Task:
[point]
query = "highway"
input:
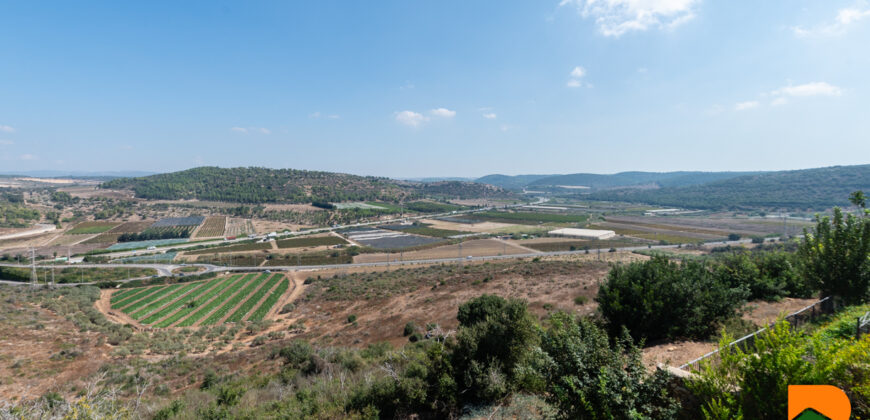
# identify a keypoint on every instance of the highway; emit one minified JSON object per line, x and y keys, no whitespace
{"x":121,"y":254}
{"x":166,"y":269}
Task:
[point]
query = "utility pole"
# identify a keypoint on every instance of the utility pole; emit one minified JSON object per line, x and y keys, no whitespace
{"x":33,"y":276}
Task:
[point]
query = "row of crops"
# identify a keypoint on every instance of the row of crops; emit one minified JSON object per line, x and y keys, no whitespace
{"x":224,"y":299}
{"x":212,"y":227}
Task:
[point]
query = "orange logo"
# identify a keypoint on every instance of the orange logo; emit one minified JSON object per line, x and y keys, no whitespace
{"x":810,"y":402}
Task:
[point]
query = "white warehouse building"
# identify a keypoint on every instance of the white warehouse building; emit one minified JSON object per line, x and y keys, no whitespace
{"x":583,"y":233}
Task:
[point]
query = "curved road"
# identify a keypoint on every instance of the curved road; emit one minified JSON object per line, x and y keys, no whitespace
{"x":166,"y":269}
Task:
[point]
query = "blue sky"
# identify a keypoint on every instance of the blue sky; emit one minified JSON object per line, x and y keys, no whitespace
{"x":447,"y":88}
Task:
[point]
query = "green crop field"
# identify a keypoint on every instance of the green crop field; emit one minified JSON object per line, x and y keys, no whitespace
{"x":232,"y":302}
{"x":310,"y":242}
{"x":214,"y":303}
{"x":159,"y":303}
{"x":205,"y":302}
{"x":251,"y":246}
{"x":91,"y":228}
{"x":199,"y":301}
{"x":136,"y":296}
{"x":270,"y":301}
{"x":150,"y":298}
{"x":527,"y":217}
{"x":168,"y":309}
{"x":253,"y":299}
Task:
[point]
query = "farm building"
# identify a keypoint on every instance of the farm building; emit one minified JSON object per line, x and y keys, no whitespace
{"x":583,"y":233}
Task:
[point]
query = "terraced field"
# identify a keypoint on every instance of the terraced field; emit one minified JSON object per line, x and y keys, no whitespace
{"x":225,"y":299}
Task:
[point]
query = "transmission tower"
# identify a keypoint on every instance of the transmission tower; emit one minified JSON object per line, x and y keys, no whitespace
{"x":33,"y":277}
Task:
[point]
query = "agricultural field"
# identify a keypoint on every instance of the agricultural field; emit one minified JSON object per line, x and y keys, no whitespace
{"x":165,"y":232}
{"x":250,"y":246}
{"x":145,"y":244}
{"x":217,"y":301}
{"x":426,"y":230}
{"x":385,"y":239}
{"x":476,"y":248}
{"x":90,"y":228}
{"x":239,"y":227}
{"x":149,"y":259}
{"x":526,"y":217}
{"x":111,"y":236}
{"x":132,"y":227}
{"x":311,"y":242}
{"x":369,"y":206}
{"x":213,"y":226}
{"x":178,"y":221}
{"x":567,"y":244}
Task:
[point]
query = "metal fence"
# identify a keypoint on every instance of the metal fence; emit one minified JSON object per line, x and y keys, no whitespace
{"x":797,"y":318}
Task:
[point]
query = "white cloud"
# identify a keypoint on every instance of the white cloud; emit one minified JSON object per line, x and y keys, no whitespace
{"x":778,"y":101}
{"x":742,"y":106}
{"x":6,"y":128}
{"x":810,"y":89}
{"x":410,"y":118}
{"x":6,"y":142}
{"x":27,"y":156}
{"x":443,"y":113}
{"x":845,"y":18}
{"x":576,"y":74}
{"x":617,"y":17}
{"x":246,"y":130}
{"x":490,"y":116}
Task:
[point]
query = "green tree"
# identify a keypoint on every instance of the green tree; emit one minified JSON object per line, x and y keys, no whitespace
{"x":587,"y":378}
{"x":496,"y":336}
{"x":659,"y":298}
{"x":835,"y":256}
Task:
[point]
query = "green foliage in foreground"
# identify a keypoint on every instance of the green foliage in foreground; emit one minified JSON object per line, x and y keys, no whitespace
{"x":783,"y":356}
{"x":836,"y":255}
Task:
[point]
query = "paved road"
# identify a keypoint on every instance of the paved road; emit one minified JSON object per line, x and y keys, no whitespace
{"x":166,"y":269}
{"x":121,"y":254}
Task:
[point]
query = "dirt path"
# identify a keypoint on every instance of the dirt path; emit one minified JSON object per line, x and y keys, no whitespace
{"x":104,"y":305}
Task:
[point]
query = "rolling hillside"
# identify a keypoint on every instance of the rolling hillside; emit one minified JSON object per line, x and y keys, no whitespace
{"x":806,"y":189}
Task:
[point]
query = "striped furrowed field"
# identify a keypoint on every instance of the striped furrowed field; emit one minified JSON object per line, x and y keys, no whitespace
{"x":224,"y":299}
{"x":219,"y":314}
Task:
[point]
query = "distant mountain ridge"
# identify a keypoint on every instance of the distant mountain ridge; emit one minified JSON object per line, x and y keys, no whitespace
{"x":806,"y":189}
{"x":607,"y":181}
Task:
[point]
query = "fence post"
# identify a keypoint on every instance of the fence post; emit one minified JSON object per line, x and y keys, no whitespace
{"x":858,"y":328}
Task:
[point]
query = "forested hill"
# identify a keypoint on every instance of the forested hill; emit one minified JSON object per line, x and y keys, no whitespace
{"x":263,"y":185}
{"x":259,"y":185}
{"x":618,"y":180}
{"x":626,"y":179}
{"x":806,"y":189}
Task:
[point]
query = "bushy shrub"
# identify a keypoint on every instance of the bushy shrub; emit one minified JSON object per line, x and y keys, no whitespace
{"x":662,"y":299}
{"x":586,"y":377}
